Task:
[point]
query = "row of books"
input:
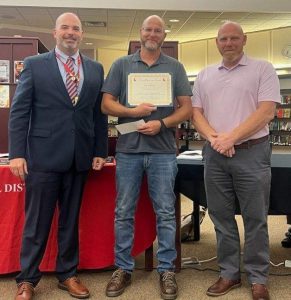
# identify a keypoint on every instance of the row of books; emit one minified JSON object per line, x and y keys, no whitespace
{"x":286,"y":99}
{"x":280,"y":140}
{"x":191,"y":136}
{"x":280,"y":125}
{"x":283,"y":113}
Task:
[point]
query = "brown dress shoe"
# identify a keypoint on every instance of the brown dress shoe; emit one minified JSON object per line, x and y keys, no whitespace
{"x":75,"y":288}
{"x":25,"y":291}
{"x":118,"y":282}
{"x":222,"y":286}
{"x":260,"y":292}
{"x":168,"y":284}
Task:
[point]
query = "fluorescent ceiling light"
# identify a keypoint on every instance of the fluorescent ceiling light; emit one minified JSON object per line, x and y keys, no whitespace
{"x":94,"y":24}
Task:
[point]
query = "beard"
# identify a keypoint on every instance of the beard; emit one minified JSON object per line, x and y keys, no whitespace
{"x":69,"y":44}
{"x":151,"y":45}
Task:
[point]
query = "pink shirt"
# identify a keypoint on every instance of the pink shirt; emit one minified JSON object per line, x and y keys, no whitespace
{"x":230,"y":96}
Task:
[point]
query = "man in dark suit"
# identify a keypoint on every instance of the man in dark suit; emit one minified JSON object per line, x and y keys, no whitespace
{"x":57,"y":133}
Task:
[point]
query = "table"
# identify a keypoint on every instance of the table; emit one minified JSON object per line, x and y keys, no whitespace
{"x":96,"y":228}
{"x":190,"y":183}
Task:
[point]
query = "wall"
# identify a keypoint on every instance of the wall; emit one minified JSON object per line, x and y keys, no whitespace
{"x":196,"y":55}
{"x":90,"y":53}
{"x":266,"y":45}
{"x":107,"y":56}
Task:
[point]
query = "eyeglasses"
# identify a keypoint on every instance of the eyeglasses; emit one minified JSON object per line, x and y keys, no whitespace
{"x":155,"y":30}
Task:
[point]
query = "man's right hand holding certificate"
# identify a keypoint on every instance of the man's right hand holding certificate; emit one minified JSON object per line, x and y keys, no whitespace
{"x":143,"y":109}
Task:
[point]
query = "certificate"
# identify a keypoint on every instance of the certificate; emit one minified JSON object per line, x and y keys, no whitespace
{"x":4,"y":71}
{"x":154,"y":88}
{"x":4,"y":96}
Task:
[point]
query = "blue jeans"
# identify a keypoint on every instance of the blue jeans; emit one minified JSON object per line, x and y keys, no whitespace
{"x":161,"y":170}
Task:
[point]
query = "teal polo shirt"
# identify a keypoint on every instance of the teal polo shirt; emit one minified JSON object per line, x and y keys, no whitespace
{"x":116,"y":85}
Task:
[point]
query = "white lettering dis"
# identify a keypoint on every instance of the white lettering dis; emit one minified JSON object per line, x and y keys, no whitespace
{"x":13,"y":188}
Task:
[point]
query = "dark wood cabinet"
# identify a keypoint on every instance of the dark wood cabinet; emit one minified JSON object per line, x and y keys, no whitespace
{"x":14,"y":50}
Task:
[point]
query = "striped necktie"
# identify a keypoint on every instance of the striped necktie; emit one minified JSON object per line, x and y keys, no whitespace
{"x":71,"y":81}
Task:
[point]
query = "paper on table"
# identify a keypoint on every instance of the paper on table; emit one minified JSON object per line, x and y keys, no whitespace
{"x":129,"y":127}
{"x":195,"y":154}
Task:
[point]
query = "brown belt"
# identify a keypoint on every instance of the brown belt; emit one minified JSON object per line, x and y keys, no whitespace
{"x":249,"y":143}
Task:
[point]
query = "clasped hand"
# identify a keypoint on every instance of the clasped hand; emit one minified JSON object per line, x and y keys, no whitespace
{"x":223,"y":143}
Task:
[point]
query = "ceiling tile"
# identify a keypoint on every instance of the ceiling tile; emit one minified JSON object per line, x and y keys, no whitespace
{"x":125,"y":24}
{"x":121,"y":13}
{"x":92,"y":12}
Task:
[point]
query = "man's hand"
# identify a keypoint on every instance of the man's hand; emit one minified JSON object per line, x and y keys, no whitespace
{"x":230,"y":152}
{"x":98,"y":163}
{"x":144,"y":109}
{"x":150,"y":127}
{"x":224,"y":144}
{"x":18,"y":167}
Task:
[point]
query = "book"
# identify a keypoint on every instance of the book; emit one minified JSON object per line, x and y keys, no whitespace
{"x":4,"y":161}
{"x":279,"y":112}
{"x":286,"y":112}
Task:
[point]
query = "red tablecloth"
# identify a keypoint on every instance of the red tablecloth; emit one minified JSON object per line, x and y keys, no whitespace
{"x":96,"y":223}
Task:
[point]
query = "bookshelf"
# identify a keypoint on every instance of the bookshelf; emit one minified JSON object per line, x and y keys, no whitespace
{"x":280,"y":127}
{"x":12,"y":53}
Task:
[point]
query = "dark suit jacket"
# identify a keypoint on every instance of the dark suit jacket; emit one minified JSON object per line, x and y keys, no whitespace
{"x":45,"y":128}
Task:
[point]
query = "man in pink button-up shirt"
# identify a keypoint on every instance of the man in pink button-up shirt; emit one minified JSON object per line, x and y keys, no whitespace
{"x":233,"y":103}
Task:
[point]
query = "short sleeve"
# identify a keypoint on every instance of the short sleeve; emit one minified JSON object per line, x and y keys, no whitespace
{"x":196,"y":98}
{"x":269,"y":88}
{"x":182,"y":85}
{"x":112,"y":83}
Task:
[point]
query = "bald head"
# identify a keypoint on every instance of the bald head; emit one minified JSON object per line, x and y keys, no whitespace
{"x":156,"y":19}
{"x":152,"y":34}
{"x":65,"y":16}
{"x":68,"y":33}
{"x":230,"y":42}
{"x":233,"y":25}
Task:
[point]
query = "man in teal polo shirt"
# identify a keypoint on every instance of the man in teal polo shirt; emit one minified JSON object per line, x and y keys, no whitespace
{"x":150,"y":150}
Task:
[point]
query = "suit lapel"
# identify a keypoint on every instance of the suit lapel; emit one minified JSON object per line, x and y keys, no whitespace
{"x":85,"y":74}
{"x":54,"y":73}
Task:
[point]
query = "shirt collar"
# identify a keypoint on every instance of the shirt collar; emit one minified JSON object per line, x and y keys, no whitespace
{"x":242,"y":62}
{"x":161,"y":59}
{"x":64,"y":56}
